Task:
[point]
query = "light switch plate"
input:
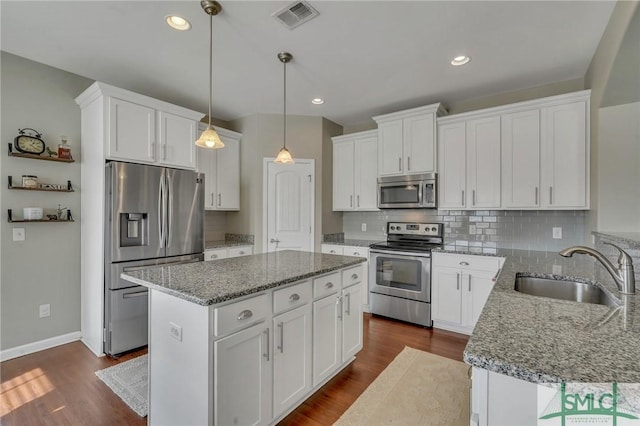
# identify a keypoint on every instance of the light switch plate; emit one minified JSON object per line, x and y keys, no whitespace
{"x":363,"y":227}
{"x":18,"y":234}
{"x":557,"y":233}
{"x":175,"y":331}
{"x":44,"y":310}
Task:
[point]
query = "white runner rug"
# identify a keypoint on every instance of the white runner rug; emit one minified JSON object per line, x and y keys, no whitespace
{"x":130,"y":381}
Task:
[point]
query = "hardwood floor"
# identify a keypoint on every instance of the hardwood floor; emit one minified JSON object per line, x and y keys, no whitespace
{"x":58,"y":386}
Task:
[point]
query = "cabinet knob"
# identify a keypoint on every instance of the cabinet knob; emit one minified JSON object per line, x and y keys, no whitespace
{"x":246,"y":314}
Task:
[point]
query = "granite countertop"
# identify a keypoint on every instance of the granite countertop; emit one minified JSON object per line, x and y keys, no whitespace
{"x":631,"y":238}
{"x":354,"y":243}
{"x":208,"y":283}
{"x":224,"y":243}
{"x":544,"y":340}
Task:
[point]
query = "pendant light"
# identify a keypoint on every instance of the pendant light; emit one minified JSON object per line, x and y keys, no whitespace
{"x":209,"y":138}
{"x":284,"y":156}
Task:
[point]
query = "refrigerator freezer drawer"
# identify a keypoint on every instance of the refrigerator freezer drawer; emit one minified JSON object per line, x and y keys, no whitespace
{"x":128,"y":324}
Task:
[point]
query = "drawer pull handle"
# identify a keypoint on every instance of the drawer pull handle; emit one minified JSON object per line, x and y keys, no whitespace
{"x":464,"y":263}
{"x":214,"y":256}
{"x":354,"y":276}
{"x":356,"y":253}
{"x":241,"y":252}
{"x":332,"y":251}
{"x":246,"y":314}
{"x":294,"y":297}
{"x":329,"y":285}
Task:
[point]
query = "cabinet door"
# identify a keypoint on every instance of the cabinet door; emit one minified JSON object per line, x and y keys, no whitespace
{"x":446,"y":299}
{"x":521,"y":159}
{"x":565,"y":168}
{"x":483,"y":163}
{"x":390,"y":148}
{"x":343,"y":160}
{"x":366,"y":174}
{"x":177,"y":141}
{"x":478,"y":287}
{"x":351,"y":321}
{"x":132,"y":132}
{"x":419,"y":144}
{"x":452,"y":166}
{"x":227,"y":169}
{"x":291,"y":358}
{"x":206,"y":164}
{"x":242,"y":378}
{"x":326,"y":337}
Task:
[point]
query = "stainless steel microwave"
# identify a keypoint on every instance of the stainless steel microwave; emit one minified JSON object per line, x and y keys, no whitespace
{"x":407,"y":192}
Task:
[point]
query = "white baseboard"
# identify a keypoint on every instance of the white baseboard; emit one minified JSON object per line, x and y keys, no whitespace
{"x":30,"y":348}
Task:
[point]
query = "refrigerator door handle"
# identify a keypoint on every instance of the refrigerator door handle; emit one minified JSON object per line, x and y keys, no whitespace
{"x":160,"y":211}
{"x":170,"y":210}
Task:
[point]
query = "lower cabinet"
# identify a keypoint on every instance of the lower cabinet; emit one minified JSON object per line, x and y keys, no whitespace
{"x":460,"y":287}
{"x":358,"y":252}
{"x":226,"y":252}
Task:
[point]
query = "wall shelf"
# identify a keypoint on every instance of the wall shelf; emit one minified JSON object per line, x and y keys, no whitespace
{"x":12,"y":220}
{"x":69,"y":187}
{"x":37,"y":157}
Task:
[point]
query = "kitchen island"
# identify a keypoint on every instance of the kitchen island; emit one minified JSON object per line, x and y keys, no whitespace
{"x":521,"y":340}
{"x":246,"y":340}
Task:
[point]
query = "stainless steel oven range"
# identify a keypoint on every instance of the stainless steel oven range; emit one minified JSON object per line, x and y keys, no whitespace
{"x":400,"y":271}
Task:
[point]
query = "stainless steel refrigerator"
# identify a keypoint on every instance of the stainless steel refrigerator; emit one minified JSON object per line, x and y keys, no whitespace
{"x":154,"y":216}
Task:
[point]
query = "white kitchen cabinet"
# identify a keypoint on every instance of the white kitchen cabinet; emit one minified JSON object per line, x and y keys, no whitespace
{"x":242,"y":377}
{"x":565,"y":155}
{"x":221,"y":168}
{"x":407,"y":141}
{"x":483,"y":163}
{"x":452,"y":164}
{"x":326,"y":338}
{"x":146,"y":130}
{"x":292,"y":357}
{"x":354,"y":171}
{"x":332,"y":248}
{"x":521,"y":160}
{"x":351,"y":321}
{"x":460,"y":286}
{"x":358,"y":252}
{"x":226,"y":252}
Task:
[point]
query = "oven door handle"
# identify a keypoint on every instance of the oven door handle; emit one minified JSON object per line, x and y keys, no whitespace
{"x":404,"y":254}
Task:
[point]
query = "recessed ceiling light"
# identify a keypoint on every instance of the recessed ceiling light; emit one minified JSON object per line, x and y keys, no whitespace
{"x":178,"y":23}
{"x":460,"y":60}
{"x":317,"y":101}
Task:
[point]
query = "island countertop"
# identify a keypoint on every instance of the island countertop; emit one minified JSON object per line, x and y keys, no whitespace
{"x":544,"y":340}
{"x":208,"y":283}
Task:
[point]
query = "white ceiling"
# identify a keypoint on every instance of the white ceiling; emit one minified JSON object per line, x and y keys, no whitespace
{"x":363,"y":57}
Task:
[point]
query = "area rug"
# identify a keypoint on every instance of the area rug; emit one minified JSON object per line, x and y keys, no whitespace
{"x":417,"y":388}
{"x":130,"y":381}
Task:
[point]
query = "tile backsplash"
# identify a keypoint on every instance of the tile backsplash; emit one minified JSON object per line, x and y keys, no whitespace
{"x":481,"y":231}
{"x":215,"y":225}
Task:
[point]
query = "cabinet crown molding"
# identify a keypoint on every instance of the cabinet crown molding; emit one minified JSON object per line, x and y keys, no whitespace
{"x":365,"y":134}
{"x":438,"y":109}
{"x":98,"y":89}
{"x":518,"y":106}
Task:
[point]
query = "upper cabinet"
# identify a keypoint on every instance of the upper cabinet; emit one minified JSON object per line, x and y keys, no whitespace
{"x":141,"y":129}
{"x":407,"y":141}
{"x":221,"y":168}
{"x":354,"y":171}
{"x":529,"y":155}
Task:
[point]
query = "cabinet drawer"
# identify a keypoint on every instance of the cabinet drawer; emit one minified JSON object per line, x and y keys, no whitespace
{"x":237,"y":315}
{"x":239,"y":251}
{"x":215,"y":254}
{"x":332,"y":248}
{"x":351,"y":276}
{"x":356,"y":251}
{"x":326,"y":285}
{"x":291,"y":297}
{"x":465,"y":261}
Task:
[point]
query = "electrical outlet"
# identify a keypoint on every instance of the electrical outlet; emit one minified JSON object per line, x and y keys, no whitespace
{"x":557,"y":233}
{"x":18,"y":234}
{"x":175,"y":331}
{"x":363,"y":227}
{"x":45,"y":310}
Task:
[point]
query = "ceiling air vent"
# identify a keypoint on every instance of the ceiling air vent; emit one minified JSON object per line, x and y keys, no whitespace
{"x":295,"y":14}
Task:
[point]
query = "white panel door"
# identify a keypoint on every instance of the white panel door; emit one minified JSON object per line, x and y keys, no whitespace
{"x":419,"y":144}
{"x":291,"y":358}
{"x":351,"y":321}
{"x":177,"y":141}
{"x":565,"y":156}
{"x":521,"y":159}
{"x":446,"y":295}
{"x":228,"y":175}
{"x":366,"y":174}
{"x":242,"y":378}
{"x":132,"y":132}
{"x":289,"y":198}
{"x":326,"y":338}
{"x":390,"y":148}
{"x":452,"y":166}
{"x":483,"y":163}
{"x":343,"y":174}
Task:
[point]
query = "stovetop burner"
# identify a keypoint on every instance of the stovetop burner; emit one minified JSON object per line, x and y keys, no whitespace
{"x":412,"y":237}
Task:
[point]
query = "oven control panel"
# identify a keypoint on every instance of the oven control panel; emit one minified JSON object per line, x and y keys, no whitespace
{"x":425,"y":229}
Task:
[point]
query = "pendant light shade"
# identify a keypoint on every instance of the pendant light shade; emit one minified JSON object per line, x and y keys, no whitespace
{"x":284,"y":156}
{"x":210,"y":138}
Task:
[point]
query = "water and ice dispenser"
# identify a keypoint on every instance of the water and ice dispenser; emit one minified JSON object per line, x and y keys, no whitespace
{"x":134,"y":229}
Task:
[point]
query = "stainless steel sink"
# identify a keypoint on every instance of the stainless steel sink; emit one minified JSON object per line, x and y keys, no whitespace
{"x":564,"y":290}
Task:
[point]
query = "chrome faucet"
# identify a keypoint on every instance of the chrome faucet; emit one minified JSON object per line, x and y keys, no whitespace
{"x":623,"y":275}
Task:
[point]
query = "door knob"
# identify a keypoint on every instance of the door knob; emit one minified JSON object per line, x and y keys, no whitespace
{"x":274,"y":241}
